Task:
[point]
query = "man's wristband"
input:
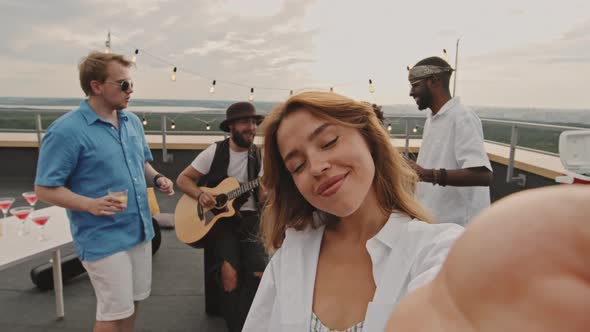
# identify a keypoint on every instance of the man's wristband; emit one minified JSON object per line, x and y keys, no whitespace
{"x":156,"y":180}
{"x":443,"y":177}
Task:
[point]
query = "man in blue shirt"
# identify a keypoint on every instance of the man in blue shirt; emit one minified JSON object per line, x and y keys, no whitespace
{"x":87,"y":153}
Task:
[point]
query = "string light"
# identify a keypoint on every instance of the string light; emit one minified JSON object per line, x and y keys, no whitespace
{"x":134,"y":58}
{"x":446,"y":55}
{"x":144,"y":120}
{"x":371,"y":86}
{"x":389,"y":127}
{"x":212,"y":88}
{"x":208,"y":127}
{"x":251,"y":97}
{"x":415,"y":130}
{"x":107,"y":43}
{"x":173,"y":125}
{"x":173,"y":77}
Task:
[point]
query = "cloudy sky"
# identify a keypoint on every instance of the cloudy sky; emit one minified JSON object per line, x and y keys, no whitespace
{"x":527,"y":53}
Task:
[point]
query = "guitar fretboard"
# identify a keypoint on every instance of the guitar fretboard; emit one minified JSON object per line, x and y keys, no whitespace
{"x":243,"y":189}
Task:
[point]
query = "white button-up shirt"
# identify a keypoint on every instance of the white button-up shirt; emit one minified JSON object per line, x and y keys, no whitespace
{"x":405,"y":254}
{"x":453,"y":139}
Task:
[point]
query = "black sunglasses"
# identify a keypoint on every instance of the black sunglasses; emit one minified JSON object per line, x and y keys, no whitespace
{"x":124,"y":84}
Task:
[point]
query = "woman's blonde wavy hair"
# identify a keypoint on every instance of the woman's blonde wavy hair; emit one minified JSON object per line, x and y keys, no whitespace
{"x":394,"y":180}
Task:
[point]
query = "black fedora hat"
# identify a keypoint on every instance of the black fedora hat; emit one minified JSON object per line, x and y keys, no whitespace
{"x":238,"y":111}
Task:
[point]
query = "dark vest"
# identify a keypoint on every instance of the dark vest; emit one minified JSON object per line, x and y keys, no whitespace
{"x":218,"y":170}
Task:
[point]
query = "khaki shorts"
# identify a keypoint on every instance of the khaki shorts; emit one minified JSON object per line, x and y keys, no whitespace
{"x":119,"y":280}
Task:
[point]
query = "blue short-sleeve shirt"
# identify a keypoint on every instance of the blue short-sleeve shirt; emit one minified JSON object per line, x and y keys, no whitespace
{"x":88,"y":155}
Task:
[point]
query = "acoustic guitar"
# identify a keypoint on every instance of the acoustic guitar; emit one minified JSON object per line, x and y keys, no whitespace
{"x":193,"y":221}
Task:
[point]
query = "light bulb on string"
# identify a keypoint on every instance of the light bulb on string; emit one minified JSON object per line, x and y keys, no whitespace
{"x":208,"y":127}
{"x":446,"y":55}
{"x":212,"y":89}
{"x":173,"y":125}
{"x":173,"y":77}
{"x":389,"y":127}
{"x":107,"y":43}
{"x":144,"y":120}
{"x":134,"y":57}
{"x":251,"y":97}
{"x":371,"y":86}
{"x":415,"y":130}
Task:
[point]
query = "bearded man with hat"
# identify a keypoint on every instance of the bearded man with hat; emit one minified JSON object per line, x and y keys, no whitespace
{"x":453,"y":166}
{"x":240,"y":258}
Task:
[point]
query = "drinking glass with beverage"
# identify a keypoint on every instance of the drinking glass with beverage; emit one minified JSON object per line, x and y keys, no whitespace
{"x":22,"y":213}
{"x":5,"y":204}
{"x":30,"y":197}
{"x":119,"y":194}
{"x":40,"y":221}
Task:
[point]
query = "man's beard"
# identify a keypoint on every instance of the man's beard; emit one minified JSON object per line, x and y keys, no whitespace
{"x":239,"y":139}
{"x":425,"y":100}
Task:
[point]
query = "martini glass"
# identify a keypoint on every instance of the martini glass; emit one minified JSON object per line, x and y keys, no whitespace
{"x":41,"y":220}
{"x":22,"y":213}
{"x":30,"y":197}
{"x":5,"y":204}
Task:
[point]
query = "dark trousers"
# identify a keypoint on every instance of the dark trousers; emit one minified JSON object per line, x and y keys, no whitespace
{"x":235,"y":240}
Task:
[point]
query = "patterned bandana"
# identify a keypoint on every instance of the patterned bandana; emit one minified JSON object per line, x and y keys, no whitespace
{"x":421,"y":72}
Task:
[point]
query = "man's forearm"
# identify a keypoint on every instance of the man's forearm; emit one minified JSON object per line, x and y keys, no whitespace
{"x":150,"y":173}
{"x":468,"y":177}
{"x":188,"y":186}
{"x":63,"y":197}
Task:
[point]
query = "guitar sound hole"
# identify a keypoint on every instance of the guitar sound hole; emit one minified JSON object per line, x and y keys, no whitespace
{"x":221,"y":201}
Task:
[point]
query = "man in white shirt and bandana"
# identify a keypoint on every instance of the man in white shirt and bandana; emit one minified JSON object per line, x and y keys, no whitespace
{"x":453,"y":166}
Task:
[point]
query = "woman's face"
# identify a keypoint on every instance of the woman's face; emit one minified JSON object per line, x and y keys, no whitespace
{"x":331,"y":165}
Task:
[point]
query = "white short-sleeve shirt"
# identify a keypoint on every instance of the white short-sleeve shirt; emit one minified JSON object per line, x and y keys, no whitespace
{"x":237,"y":168}
{"x":453,"y":139}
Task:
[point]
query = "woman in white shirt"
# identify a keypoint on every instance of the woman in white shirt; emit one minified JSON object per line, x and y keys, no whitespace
{"x":350,"y":238}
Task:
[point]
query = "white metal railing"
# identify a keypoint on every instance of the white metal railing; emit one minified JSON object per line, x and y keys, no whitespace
{"x":519,"y":179}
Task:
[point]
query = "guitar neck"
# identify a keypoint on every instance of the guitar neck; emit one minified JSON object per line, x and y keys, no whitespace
{"x":243,"y":189}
